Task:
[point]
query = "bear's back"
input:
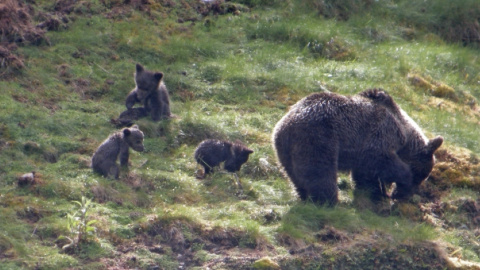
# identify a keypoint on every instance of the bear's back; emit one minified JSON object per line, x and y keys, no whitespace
{"x":380,"y":97}
{"x":338,"y":112}
{"x":108,"y":149}
{"x":213,"y":149}
{"x":353,"y":123}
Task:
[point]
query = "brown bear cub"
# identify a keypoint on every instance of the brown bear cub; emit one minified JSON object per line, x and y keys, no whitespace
{"x":104,"y":161}
{"x":366,"y":134}
{"x":210,"y":153}
{"x":151,"y":92}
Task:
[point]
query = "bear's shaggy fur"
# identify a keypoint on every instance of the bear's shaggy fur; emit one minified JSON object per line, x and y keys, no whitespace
{"x":27,"y":179}
{"x":128,"y":117}
{"x":104,"y":160}
{"x":149,"y":91}
{"x":367,"y":134}
{"x":210,"y":153}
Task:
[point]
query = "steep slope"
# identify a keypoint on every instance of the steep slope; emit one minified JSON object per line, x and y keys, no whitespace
{"x":232,"y":68}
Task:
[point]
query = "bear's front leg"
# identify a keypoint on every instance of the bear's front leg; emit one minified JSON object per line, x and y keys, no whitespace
{"x":131,"y":99}
{"x":231,"y":166}
{"x":124,"y":154}
{"x":147,"y":104}
{"x":113,"y":172}
{"x":165,"y":111}
{"x":396,"y":171}
{"x":367,"y":183}
{"x":108,"y":168}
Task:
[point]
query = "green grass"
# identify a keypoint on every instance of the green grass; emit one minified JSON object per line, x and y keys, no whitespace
{"x":304,"y":222}
{"x":230,"y":77}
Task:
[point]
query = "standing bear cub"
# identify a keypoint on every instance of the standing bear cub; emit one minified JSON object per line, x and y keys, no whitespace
{"x":151,"y":92}
{"x":104,"y":160}
{"x":367,"y":134}
{"x":210,"y":153}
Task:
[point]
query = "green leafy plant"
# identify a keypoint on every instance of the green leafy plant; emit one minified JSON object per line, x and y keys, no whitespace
{"x":78,"y":224}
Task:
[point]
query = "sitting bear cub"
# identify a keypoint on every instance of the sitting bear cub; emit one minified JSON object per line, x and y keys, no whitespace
{"x":104,"y":160}
{"x":210,"y":153}
{"x":366,"y":134}
{"x":151,"y":92}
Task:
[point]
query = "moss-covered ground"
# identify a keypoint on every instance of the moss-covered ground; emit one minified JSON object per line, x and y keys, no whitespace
{"x":233,"y":69}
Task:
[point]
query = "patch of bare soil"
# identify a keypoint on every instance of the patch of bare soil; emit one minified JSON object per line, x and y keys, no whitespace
{"x":17,"y":27}
{"x":21,"y":24}
{"x":8,"y":57}
{"x":182,"y":239}
{"x":186,"y":11}
{"x":452,"y":169}
{"x":16,"y":23}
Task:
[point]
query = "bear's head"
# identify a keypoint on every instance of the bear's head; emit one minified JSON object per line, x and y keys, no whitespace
{"x":421,"y":164}
{"x":146,"y":81}
{"x":134,"y":138}
{"x":239,"y":155}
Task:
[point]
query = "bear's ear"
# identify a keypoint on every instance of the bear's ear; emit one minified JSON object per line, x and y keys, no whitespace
{"x":158,"y":76}
{"x":434,"y":144}
{"x":126,"y":132}
{"x":139,"y":68}
{"x":134,"y":126}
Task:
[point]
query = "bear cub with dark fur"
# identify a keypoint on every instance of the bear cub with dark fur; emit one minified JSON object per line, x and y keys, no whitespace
{"x":210,"y":153}
{"x":151,"y":92}
{"x":104,"y":160}
{"x":366,"y":134}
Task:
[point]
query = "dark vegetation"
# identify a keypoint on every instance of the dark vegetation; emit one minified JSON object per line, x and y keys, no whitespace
{"x":232,"y":69}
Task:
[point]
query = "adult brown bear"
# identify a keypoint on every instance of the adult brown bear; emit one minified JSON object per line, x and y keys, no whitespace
{"x":367,"y":134}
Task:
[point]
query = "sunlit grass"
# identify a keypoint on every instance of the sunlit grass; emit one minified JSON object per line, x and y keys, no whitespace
{"x":230,"y":77}
{"x":13,"y":236}
{"x":304,"y":221}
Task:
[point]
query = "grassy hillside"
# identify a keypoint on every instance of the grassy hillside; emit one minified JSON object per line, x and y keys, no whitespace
{"x":232,"y":69}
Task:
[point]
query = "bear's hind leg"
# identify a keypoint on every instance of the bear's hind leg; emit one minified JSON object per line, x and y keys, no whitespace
{"x":302,"y":193}
{"x":165,"y":110}
{"x":114,"y":172}
{"x":155,"y":114}
{"x":108,"y":169}
{"x":324,"y":190}
{"x":319,"y":182}
{"x":206,"y":169}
